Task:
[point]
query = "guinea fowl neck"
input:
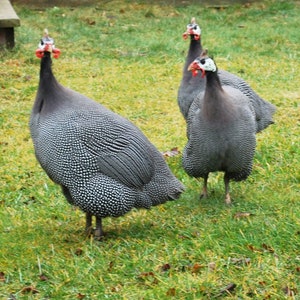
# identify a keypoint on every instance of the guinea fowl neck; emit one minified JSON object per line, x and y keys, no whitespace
{"x":194,"y":51}
{"x":47,"y":98}
{"x":213,"y":83}
{"x":216,"y":108}
{"x":47,"y":79}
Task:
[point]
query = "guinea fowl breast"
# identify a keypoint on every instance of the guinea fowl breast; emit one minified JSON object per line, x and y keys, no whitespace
{"x":221,"y":130}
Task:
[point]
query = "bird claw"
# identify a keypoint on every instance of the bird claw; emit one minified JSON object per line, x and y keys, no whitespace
{"x":89,"y":230}
{"x":98,"y":234}
{"x":228,"y":199}
{"x":203,"y":195}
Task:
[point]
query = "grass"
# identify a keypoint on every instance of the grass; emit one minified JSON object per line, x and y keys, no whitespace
{"x":129,"y":56}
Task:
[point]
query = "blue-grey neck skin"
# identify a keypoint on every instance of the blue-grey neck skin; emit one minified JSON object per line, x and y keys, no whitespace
{"x":216,"y":108}
{"x":190,"y":86}
{"x":46,"y":97}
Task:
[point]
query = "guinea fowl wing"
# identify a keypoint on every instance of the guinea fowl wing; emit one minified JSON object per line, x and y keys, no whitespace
{"x":119,"y":150}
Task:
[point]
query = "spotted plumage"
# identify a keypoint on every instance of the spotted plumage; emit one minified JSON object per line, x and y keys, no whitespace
{"x":104,"y":164}
{"x":221,"y":129}
{"x":191,"y":87}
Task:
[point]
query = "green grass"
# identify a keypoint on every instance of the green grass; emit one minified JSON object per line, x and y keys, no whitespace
{"x":129,"y":56}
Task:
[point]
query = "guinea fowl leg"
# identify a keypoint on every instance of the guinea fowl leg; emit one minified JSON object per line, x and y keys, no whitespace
{"x":227,"y":195}
{"x":88,"y":224}
{"x":98,"y":234}
{"x":204,"y":189}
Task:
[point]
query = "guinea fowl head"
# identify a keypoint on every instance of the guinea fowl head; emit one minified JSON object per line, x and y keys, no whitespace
{"x":193,"y":30}
{"x":202,"y":63}
{"x":46,"y":45}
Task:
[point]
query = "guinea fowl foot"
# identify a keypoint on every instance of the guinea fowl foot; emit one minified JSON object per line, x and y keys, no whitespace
{"x":98,"y":233}
{"x":89,"y":230}
{"x":228,"y":199}
{"x":203,"y":195}
{"x":227,"y":194}
{"x":88,"y":225}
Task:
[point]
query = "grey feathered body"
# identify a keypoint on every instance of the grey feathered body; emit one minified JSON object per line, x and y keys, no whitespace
{"x":191,"y":86}
{"x":221,"y":134}
{"x":104,"y":163}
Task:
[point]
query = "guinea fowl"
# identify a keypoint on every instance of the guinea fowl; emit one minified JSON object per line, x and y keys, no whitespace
{"x":220,"y":128}
{"x":104,"y":164}
{"x":191,"y":86}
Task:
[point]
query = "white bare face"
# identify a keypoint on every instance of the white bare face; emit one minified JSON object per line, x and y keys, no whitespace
{"x":206,"y":64}
{"x":46,"y":39}
{"x":193,"y":29}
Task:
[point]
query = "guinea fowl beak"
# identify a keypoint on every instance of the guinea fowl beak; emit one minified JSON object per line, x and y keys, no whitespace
{"x":190,"y":32}
{"x":185,"y":35}
{"x":48,"y":48}
{"x":191,"y":67}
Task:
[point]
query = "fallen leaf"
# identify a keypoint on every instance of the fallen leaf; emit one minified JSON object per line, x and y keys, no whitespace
{"x":166,"y":267}
{"x":171,"y":292}
{"x":212,"y":266}
{"x":27,"y":77}
{"x":268,"y":248}
{"x":230,"y":287}
{"x":253,"y":249}
{"x":226,"y":290}
{"x":240,"y":261}
{"x":116,"y":288}
{"x":242,"y":215}
{"x":2,"y":277}
{"x":148,"y":276}
{"x":29,"y":289}
{"x":91,"y":22}
{"x":291,"y":292}
{"x":43,"y":277}
{"x":80,"y":296}
{"x":196,"y":268}
{"x":78,"y":252}
{"x":110,"y":266}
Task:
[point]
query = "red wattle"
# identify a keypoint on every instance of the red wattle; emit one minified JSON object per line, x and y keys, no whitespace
{"x":56,"y":53}
{"x":39,"y":53}
{"x":195,"y":73}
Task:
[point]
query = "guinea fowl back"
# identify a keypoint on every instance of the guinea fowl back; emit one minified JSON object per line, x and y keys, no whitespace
{"x":104,"y":163}
{"x":191,"y":87}
{"x":264,"y":110}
